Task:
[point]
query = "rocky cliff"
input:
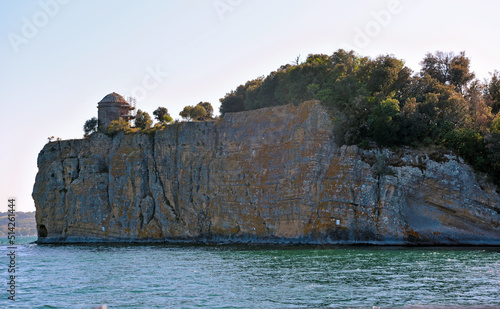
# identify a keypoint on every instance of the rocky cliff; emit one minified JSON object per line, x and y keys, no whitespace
{"x":273,"y":175}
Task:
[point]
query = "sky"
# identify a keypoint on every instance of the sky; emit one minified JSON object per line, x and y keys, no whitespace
{"x":59,"y":58}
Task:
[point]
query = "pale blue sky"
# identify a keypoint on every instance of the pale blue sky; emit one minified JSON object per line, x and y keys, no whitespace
{"x":60,"y":57}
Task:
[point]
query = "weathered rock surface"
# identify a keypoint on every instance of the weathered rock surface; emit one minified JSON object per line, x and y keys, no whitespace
{"x":273,"y":175}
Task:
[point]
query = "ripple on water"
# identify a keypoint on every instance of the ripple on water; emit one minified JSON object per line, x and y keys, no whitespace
{"x":255,"y":277}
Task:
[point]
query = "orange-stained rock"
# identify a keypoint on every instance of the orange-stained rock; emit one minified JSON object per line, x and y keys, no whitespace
{"x":273,"y":175}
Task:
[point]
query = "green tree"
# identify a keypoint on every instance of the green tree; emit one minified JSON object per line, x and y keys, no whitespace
{"x":208,"y":108}
{"x":383,"y":73}
{"x":414,"y":126}
{"x":383,"y":122}
{"x":469,"y":145}
{"x":345,"y":63}
{"x":142,"y":120}
{"x":455,"y":109}
{"x":161,"y":114}
{"x":251,"y":93}
{"x":187,"y":112}
{"x":480,"y":112}
{"x":90,"y":126}
{"x":198,"y":113}
{"x":448,"y":69}
{"x":233,"y":101}
{"x":320,"y":59}
{"x":442,"y":104}
{"x":493,"y":92}
{"x":460,"y":74}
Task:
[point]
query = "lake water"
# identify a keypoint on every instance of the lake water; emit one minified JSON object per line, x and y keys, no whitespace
{"x":165,"y":276}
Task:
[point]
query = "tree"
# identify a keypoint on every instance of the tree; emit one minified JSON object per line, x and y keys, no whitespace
{"x":198,"y":112}
{"x":480,"y":112}
{"x":344,"y":62}
{"x":90,"y":126}
{"x":442,"y":104}
{"x":143,"y":120}
{"x":161,"y":114}
{"x":436,"y":66}
{"x":468,"y":144}
{"x":208,"y":108}
{"x":233,"y":101}
{"x":186,"y":113}
{"x":460,"y":74}
{"x":493,"y":92}
{"x":383,"y":72}
{"x":321,"y":59}
{"x":252,"y":89}
{"x":414,"y":126}
{"x":383,"y":123}
{"x":448,"y":69}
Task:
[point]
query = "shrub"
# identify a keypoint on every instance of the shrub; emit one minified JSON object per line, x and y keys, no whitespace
{"x":201,"y":111}
{"x":469,"y":145}
{"x":186,"y":112}
{"x":90,"y":126}
{"x":161,"y":114}
{"x":383,"y":122}
{"x":143,"y":120}
{"x":120,"y":125}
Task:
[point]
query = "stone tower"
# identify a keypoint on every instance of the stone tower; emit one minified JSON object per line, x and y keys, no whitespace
{"x":112,"y":107}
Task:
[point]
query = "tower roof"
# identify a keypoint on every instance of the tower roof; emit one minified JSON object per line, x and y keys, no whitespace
{"x":113,"y":98}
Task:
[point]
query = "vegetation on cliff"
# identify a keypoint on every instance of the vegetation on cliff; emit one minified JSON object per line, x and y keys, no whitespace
{"x":161,"y":115}
{"x":202,"y":111}
{"x":143,"y":122}
{"x":90,"y":126}
{"x":381,"y":100}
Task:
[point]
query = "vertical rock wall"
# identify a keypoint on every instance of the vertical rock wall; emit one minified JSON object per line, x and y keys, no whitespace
{"x":273,"y":175}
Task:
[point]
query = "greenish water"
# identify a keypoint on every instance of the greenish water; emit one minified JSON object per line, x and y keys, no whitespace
{"x":125,"y":276}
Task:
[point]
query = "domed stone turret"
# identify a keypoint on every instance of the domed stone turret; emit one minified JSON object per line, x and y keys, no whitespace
{"x":113,"y":98}
{"x":112,"y":107}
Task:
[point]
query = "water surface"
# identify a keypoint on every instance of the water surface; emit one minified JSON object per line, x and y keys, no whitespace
{"x":161,"y":276}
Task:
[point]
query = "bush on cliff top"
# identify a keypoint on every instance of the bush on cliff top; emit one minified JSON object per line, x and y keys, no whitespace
{"x":143,"y":120}
{"x":90,"y":126}
{"x":120,"y":125}
{"x":202,"y":111}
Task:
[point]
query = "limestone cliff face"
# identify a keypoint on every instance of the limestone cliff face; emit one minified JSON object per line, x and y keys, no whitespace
{"x":273,"y":175}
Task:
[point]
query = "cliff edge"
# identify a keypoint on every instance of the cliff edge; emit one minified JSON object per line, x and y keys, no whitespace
{"x":273,"y":175}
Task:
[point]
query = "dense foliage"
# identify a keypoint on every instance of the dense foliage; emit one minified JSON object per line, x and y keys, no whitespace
{"x":381,"y":100}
